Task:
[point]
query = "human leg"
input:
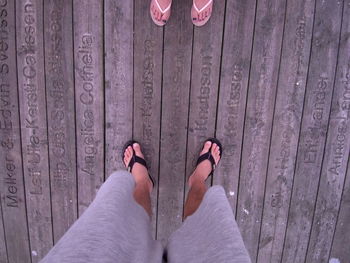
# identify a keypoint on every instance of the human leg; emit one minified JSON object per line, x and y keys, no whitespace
{"x":209,"y":235}
{"x":209,"y":232}
{"x":196,"y":181}
{"x":114,"y":228}
{"x":143,"y":182}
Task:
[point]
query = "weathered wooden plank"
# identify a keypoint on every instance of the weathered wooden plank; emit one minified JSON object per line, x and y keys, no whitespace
{"x":235,"y":67}
{"x":336,"y":154}
{"x":340,"y":246}
{"x":59,"y":72}
{"x":148,"y":48}
{"x":176,"y":85}
{"x":31,"y":85}
{"x":3,"y":249}
{"x":313,"y":129}
{"x":88,"y":61}
{"x":12,"y":185}
{"x":257,"y":131}
{"x":286,"y":127}
{"x":118,"y":79}
{"x":207,"y":47}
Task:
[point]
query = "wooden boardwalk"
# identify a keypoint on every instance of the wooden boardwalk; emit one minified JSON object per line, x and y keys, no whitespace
{"x":270,"y":79}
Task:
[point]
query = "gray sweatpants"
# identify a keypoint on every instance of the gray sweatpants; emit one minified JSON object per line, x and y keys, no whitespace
{"x":116,"y":229}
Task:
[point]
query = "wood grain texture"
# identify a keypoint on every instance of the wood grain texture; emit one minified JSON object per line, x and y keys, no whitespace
{"x":32,"y":100}
{"x":286,"y":127}
{"x":175,"y":98}
{"x":88,"y":62}
{"x":341,"y":240}
{"x":58,"y":22}
{"x":207,"y":46}
{"x":148,"y":48}
{"x":235,"y":68}
{"x":118,"y":80}
{"x":336,"y":156}
{"x":80,"y":78}
{"x":257,"y":131}
{"x":11,"y":172}
{"x":3,"y":249}
{"x":313,"y":129}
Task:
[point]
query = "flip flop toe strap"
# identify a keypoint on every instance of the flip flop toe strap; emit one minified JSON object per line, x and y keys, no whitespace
{"x":163,"y":11}
{"x":204,"y":7}
{"x":136,"y":159}
{"x":207,"y":156}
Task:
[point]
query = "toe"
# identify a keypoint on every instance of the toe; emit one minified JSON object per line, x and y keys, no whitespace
{"x":128,"y":153}
{"x":213,"y":149}
{"x":216,"y":152}
{"x":165,"y":17}
{"x":126,"y":161}
{"x":154,"y":11}
{"x":194,"y":15}
{"x":130,"y":149}
{"x":137,"y":149}
{"x":125,"y":152}
{"x":206,"y":147}
{"x":202,"y":16}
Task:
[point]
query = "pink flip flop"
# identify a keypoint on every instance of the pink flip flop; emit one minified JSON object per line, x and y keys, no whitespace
{"x":162,"y":11}
{"x":195,"y":21}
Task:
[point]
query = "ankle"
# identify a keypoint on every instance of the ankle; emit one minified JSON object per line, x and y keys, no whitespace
{"x":144,"y":185}
{"x":195,"y":179}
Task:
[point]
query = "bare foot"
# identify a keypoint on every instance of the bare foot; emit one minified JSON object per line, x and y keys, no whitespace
{"x":139,"y":172}
{"x":160,"y":13}
{"x":203,"y":169}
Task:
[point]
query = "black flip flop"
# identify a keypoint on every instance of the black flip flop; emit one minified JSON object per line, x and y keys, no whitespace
{"x":135,"y":159}
{"x":208,"y":156}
